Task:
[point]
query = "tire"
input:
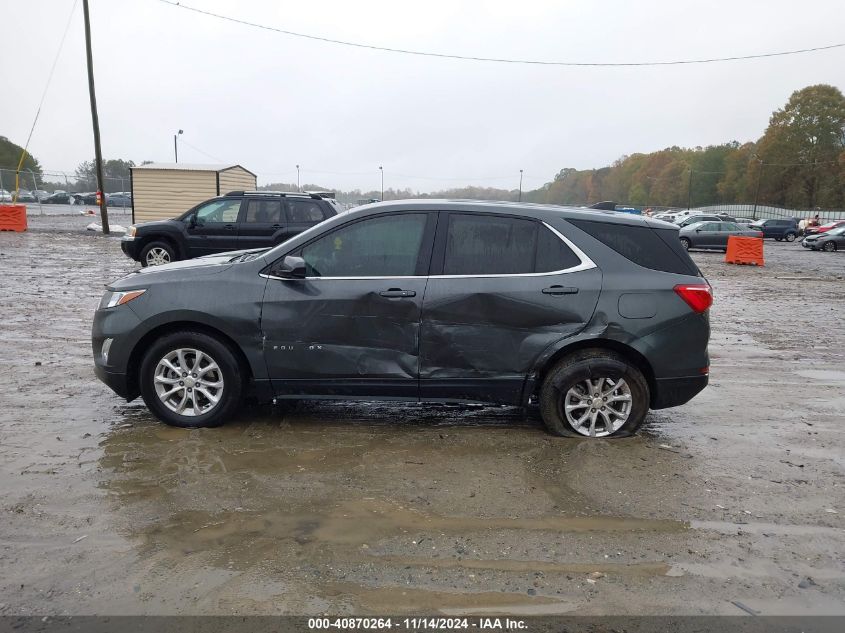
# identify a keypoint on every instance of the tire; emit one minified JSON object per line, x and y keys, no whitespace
{"x":789,"y":237}
{"x":829,"y":247}
{"x":157,"y":253}
{"x":157,"y":378}
{"x":778,"y":239}
{"x":600,"y":367}
{"x":685,"y":243}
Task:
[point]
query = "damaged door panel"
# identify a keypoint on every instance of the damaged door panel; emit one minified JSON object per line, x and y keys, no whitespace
{"x":350,"y":327}
{"x":502,"y":291}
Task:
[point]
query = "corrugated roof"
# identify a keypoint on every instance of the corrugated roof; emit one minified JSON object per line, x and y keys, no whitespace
{"x":187,"y":166}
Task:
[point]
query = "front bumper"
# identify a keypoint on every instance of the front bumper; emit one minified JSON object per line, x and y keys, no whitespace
{"x":119,"y":383}
{"x":672,"y":392}
{"x":130,"y":247}
{"x":118,"y":325}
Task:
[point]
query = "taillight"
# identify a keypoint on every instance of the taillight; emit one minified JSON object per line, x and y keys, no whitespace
{"x":699,"y":297}
{"x":759,"y":234}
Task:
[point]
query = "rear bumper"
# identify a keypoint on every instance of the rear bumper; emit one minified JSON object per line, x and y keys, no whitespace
{"x":672,"y":392}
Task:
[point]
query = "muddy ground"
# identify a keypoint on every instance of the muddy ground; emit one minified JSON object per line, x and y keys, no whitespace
{"x":737,"y":497}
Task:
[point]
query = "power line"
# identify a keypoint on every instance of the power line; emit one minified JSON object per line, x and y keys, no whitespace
{"x":206,"y":154}
{"x":498,"y":60}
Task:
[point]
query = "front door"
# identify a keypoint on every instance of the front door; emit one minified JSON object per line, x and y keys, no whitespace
{"x":351,"y":327}
{"x":213,"y":228}
{"x":502,"y":290}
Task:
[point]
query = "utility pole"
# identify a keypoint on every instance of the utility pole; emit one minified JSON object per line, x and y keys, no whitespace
{"x":520,"y":186}
{"x":175,"y":147}
{"x":381,"y":169}
{"x":757,"y":190}
{"x":98,"y":154}
{"x":689,"y":190}
{"x":298,"y":187}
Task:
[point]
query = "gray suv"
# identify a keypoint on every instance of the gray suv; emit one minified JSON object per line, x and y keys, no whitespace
{"x":594,"y":316}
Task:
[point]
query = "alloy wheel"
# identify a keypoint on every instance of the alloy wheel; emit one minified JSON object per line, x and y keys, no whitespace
{"x":157,"y":256}
{"x":599,"y":407}
{"x":829,"y":247}
{"x":188,"y":382}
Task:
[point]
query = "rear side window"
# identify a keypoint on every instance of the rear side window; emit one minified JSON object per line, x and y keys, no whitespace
{"x":305,"y":211}
{"x":498,"y":245}
{"x":658,"y":249}
{"x":264,"y":212}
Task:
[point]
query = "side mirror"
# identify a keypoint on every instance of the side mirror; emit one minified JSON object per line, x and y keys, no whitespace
{"x":698,"y":230}
{"x":192,"y":221}
{"x":291,"y":268}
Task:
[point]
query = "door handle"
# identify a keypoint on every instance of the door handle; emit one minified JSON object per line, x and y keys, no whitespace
{"x":398,"y":292}
{"x":560,"y":290}
{"x":229,"y":227}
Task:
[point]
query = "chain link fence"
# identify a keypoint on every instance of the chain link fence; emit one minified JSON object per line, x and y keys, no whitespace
{"x":54,"y":192}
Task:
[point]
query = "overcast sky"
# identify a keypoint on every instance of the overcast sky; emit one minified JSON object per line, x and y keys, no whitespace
{"x":270,"y":101}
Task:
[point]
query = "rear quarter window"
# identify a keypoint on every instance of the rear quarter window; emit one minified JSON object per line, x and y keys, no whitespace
{"x":657,"y":249}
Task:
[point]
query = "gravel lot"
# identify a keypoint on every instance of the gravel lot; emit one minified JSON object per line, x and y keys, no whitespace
{"x":738,"y":496}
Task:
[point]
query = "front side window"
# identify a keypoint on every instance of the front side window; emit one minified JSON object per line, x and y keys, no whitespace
{"x":264,"y":212}
{"x":225,"y":211}
{"x":387,"y":246}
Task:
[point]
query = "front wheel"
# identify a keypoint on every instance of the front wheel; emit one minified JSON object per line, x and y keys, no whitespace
{"x":790,"y":237}
{"x":594,"y":393}
{"x":685,"y":243}
{"x":190,"y":380}
{"x":829,"y":247}
{"x":157,"y":253}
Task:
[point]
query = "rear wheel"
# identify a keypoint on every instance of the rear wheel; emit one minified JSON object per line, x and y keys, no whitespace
{"x":829,"y":246}
{"x":594,"y":393}
{"x":685,"y":243}
{"x":157,"y":253}
{"x":190,"y":379}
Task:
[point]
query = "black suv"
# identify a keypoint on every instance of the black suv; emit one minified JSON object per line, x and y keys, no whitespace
{"x":596,"y":316}
{"x":778,"y":229}
{"x":238,"y":220}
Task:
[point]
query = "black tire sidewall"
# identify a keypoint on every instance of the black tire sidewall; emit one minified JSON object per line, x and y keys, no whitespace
{"x":686,"y":243}
{"x":594,"y":364}
{"x":222,"y":355}
{"x":157,"y":244}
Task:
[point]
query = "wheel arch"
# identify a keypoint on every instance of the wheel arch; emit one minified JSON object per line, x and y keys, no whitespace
{"x":134,"y":364}
{"x":162,"y":237}
{"x":636,"y":358}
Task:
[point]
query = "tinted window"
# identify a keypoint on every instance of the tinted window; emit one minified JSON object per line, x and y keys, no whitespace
{"x":658,"y":249}
{"x":219,"y":211}
{"x":264,"y":212}
{"x":730,"y":226}
{"x":386,"y":246}
{"x":552,"y":252}
{"x":306,"y":211}
{"x":489,"y":245}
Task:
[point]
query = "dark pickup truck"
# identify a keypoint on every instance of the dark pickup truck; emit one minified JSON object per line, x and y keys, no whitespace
{"x":239,"y":220}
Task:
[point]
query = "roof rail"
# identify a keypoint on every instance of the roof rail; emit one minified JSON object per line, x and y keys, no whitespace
{"x":283,"y":194}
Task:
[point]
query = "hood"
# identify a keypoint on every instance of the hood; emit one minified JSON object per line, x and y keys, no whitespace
{"x":153,"y":224}
{"x":174,"y":272}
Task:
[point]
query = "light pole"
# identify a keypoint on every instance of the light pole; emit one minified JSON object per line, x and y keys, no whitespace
{"x":520,"y":186}
{"x":689,"y":190}
{"x":175,"y":148}
{"x":757,"y":190}
{"x":381,"y":169}
{"x":298,"y":187}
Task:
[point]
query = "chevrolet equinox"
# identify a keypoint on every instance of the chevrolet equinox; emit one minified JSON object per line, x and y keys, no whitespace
{"x":594,"y":316}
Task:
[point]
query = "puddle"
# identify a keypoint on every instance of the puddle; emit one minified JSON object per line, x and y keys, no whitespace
{"x":726,"y":527}
{"x":400,"y":600}
{"x":827,"y":375}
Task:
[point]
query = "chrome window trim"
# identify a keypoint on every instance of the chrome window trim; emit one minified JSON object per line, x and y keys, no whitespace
{"x":586,"y":264}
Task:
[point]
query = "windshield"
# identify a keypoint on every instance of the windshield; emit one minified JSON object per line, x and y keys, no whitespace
{"x":837,"y":231}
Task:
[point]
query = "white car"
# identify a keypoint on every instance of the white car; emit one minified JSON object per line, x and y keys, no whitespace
{"x":5,"y":196}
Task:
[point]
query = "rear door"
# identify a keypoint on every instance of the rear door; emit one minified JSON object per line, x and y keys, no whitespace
{"x":303,"y":213}
{"x":502,"y":289}
{"x":707,"y":235}
{"x":262,"y":223}
{"x":213,"y":227}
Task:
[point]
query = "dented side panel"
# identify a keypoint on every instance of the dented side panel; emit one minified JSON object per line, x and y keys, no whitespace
{"x":477,"y":327}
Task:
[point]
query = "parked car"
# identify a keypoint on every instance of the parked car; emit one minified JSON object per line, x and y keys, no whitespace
{"x":704,"y":217}
{"x":831,"y":240}
{"x":778,"y":229}
{"x":713,"y":235}
{"x":119,"y":199}
{"x":40,"y":194}
{"x":5,"y":196}
{"x":744,"y":221}
{"x":238,"y":220}
{"x":60,"y":197}
{"x":815,"y":230}
{"x":596,"y":317}
{"x":24,"y":195}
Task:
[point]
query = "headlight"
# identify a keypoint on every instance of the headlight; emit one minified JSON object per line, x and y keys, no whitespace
{"x":130,"y":232}
{"x":111,"y":299}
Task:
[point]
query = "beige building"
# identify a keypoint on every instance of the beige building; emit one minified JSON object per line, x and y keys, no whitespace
{"x":166,"y":190}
